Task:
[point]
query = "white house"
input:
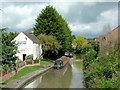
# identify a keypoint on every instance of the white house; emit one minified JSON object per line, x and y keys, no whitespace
{"x":27,"y":45}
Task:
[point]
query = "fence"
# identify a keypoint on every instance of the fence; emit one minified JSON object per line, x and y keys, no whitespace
{"x":4,"y":75}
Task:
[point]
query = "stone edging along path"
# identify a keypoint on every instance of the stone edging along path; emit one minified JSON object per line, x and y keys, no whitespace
{"x":17,"y":83}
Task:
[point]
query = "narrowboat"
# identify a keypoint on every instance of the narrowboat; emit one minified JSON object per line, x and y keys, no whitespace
{"x":70,"y":54}
{"x":61,"y":62}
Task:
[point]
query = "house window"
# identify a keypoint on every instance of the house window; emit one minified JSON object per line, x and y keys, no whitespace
{"x":21,"y":42}
{"x":24,"y":42}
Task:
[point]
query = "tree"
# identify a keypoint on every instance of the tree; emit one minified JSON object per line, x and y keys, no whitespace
{"x":12,"y":35}
{"x":94,"y":44}
{"x":79,"y":40}
{"x":49,"y":43}
{"x":9,"y":49}
{"x":49,"y":22}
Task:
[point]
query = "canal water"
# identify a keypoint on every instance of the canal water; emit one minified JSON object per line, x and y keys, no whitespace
{"x":71,"y":76}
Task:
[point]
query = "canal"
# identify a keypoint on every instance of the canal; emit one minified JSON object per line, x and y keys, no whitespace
{"x":71,"y":76}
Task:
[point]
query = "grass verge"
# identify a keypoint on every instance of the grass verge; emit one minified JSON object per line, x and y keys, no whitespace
{"x":22,"y":72}
{"x":45,"y":61}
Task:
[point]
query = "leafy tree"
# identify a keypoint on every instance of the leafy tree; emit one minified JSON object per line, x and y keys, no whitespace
{"x":94,"y":44}
{"x":78,"y":49}
{"x":49,"y":22}
{"x":79,"y":40}
{"x":12,"y":35}
{"x":49,"y":43}
{"x":73,"y":37}
{"x":9,"y":49}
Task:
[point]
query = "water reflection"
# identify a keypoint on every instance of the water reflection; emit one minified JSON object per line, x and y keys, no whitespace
{"x":78,"y":65}
{"x":77,"y":80}
{"x":35,"y":83}
{"x":57,"y":78}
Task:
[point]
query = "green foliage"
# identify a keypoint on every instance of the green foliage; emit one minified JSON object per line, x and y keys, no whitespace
{"x":94,"y":44}
{"x":89,"y":57}
{"x":78,"y":49}
{"x":49,"y":43}
{"x":29,"y":57}
{"x":49,"y":22}
{"x":79,"y":40}
{"x":90,"y":45}
{"x":9,"y":49}
{"x":12,"y":35}
{"x":102,"y":72}
{"x":86,"y":48}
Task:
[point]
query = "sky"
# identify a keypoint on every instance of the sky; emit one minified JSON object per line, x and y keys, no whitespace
{"x":88,"y":18}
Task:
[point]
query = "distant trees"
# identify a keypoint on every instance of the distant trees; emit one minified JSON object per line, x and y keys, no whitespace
{"x":79,"y":40}
{"x":49,"y":43}
{"x":49,"y":22}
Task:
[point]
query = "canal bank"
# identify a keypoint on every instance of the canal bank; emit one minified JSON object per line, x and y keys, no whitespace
{"x":17,"y":83}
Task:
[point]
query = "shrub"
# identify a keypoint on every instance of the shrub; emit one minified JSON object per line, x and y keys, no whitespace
{"x":29,"y":57}
{"x":86,"y":48}
{"x":94,"y":44}
{"x":103,"y":71}
{"x":78,"y":49}
{"x":89,"y":57}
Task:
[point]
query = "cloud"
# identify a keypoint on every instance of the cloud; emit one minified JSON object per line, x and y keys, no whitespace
{"x":109,"y":17}
{"x":88,"y":12}
{"x":80,"y":28}
{"x":84,"y":18}
{"x":21,"y":17}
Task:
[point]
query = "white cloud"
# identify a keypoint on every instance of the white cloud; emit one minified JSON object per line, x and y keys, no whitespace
{"x":80,"y":28}
{"x":26,"y":23}
{"x":21,"y":17}
{"x":110,"y":17}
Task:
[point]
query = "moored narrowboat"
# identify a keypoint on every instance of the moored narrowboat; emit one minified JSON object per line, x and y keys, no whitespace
{"x":70,"y":54}
{"x":61,"y":62}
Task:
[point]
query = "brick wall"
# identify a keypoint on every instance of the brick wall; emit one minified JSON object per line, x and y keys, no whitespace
{"x":110,"y":40}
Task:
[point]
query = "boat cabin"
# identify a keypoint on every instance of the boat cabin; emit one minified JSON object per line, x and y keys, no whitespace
{"x":59,"y":63}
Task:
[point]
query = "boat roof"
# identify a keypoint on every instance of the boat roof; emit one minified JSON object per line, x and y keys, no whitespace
{"x":62,"y":58}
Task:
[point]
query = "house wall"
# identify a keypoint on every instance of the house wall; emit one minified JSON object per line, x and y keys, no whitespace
{"x":28,"y":48}
{"x":37,"y":51}
{"x":23,"y":48}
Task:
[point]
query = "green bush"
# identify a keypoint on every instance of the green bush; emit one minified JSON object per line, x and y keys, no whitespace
{"x":36,"y":61}
{"x":86,"y":48}
{"x":89,"y":57}
{"x":103,"y":71}
{"x":94,"y":44}
{"x":78,"y":49}
{"x":29,"y":57}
